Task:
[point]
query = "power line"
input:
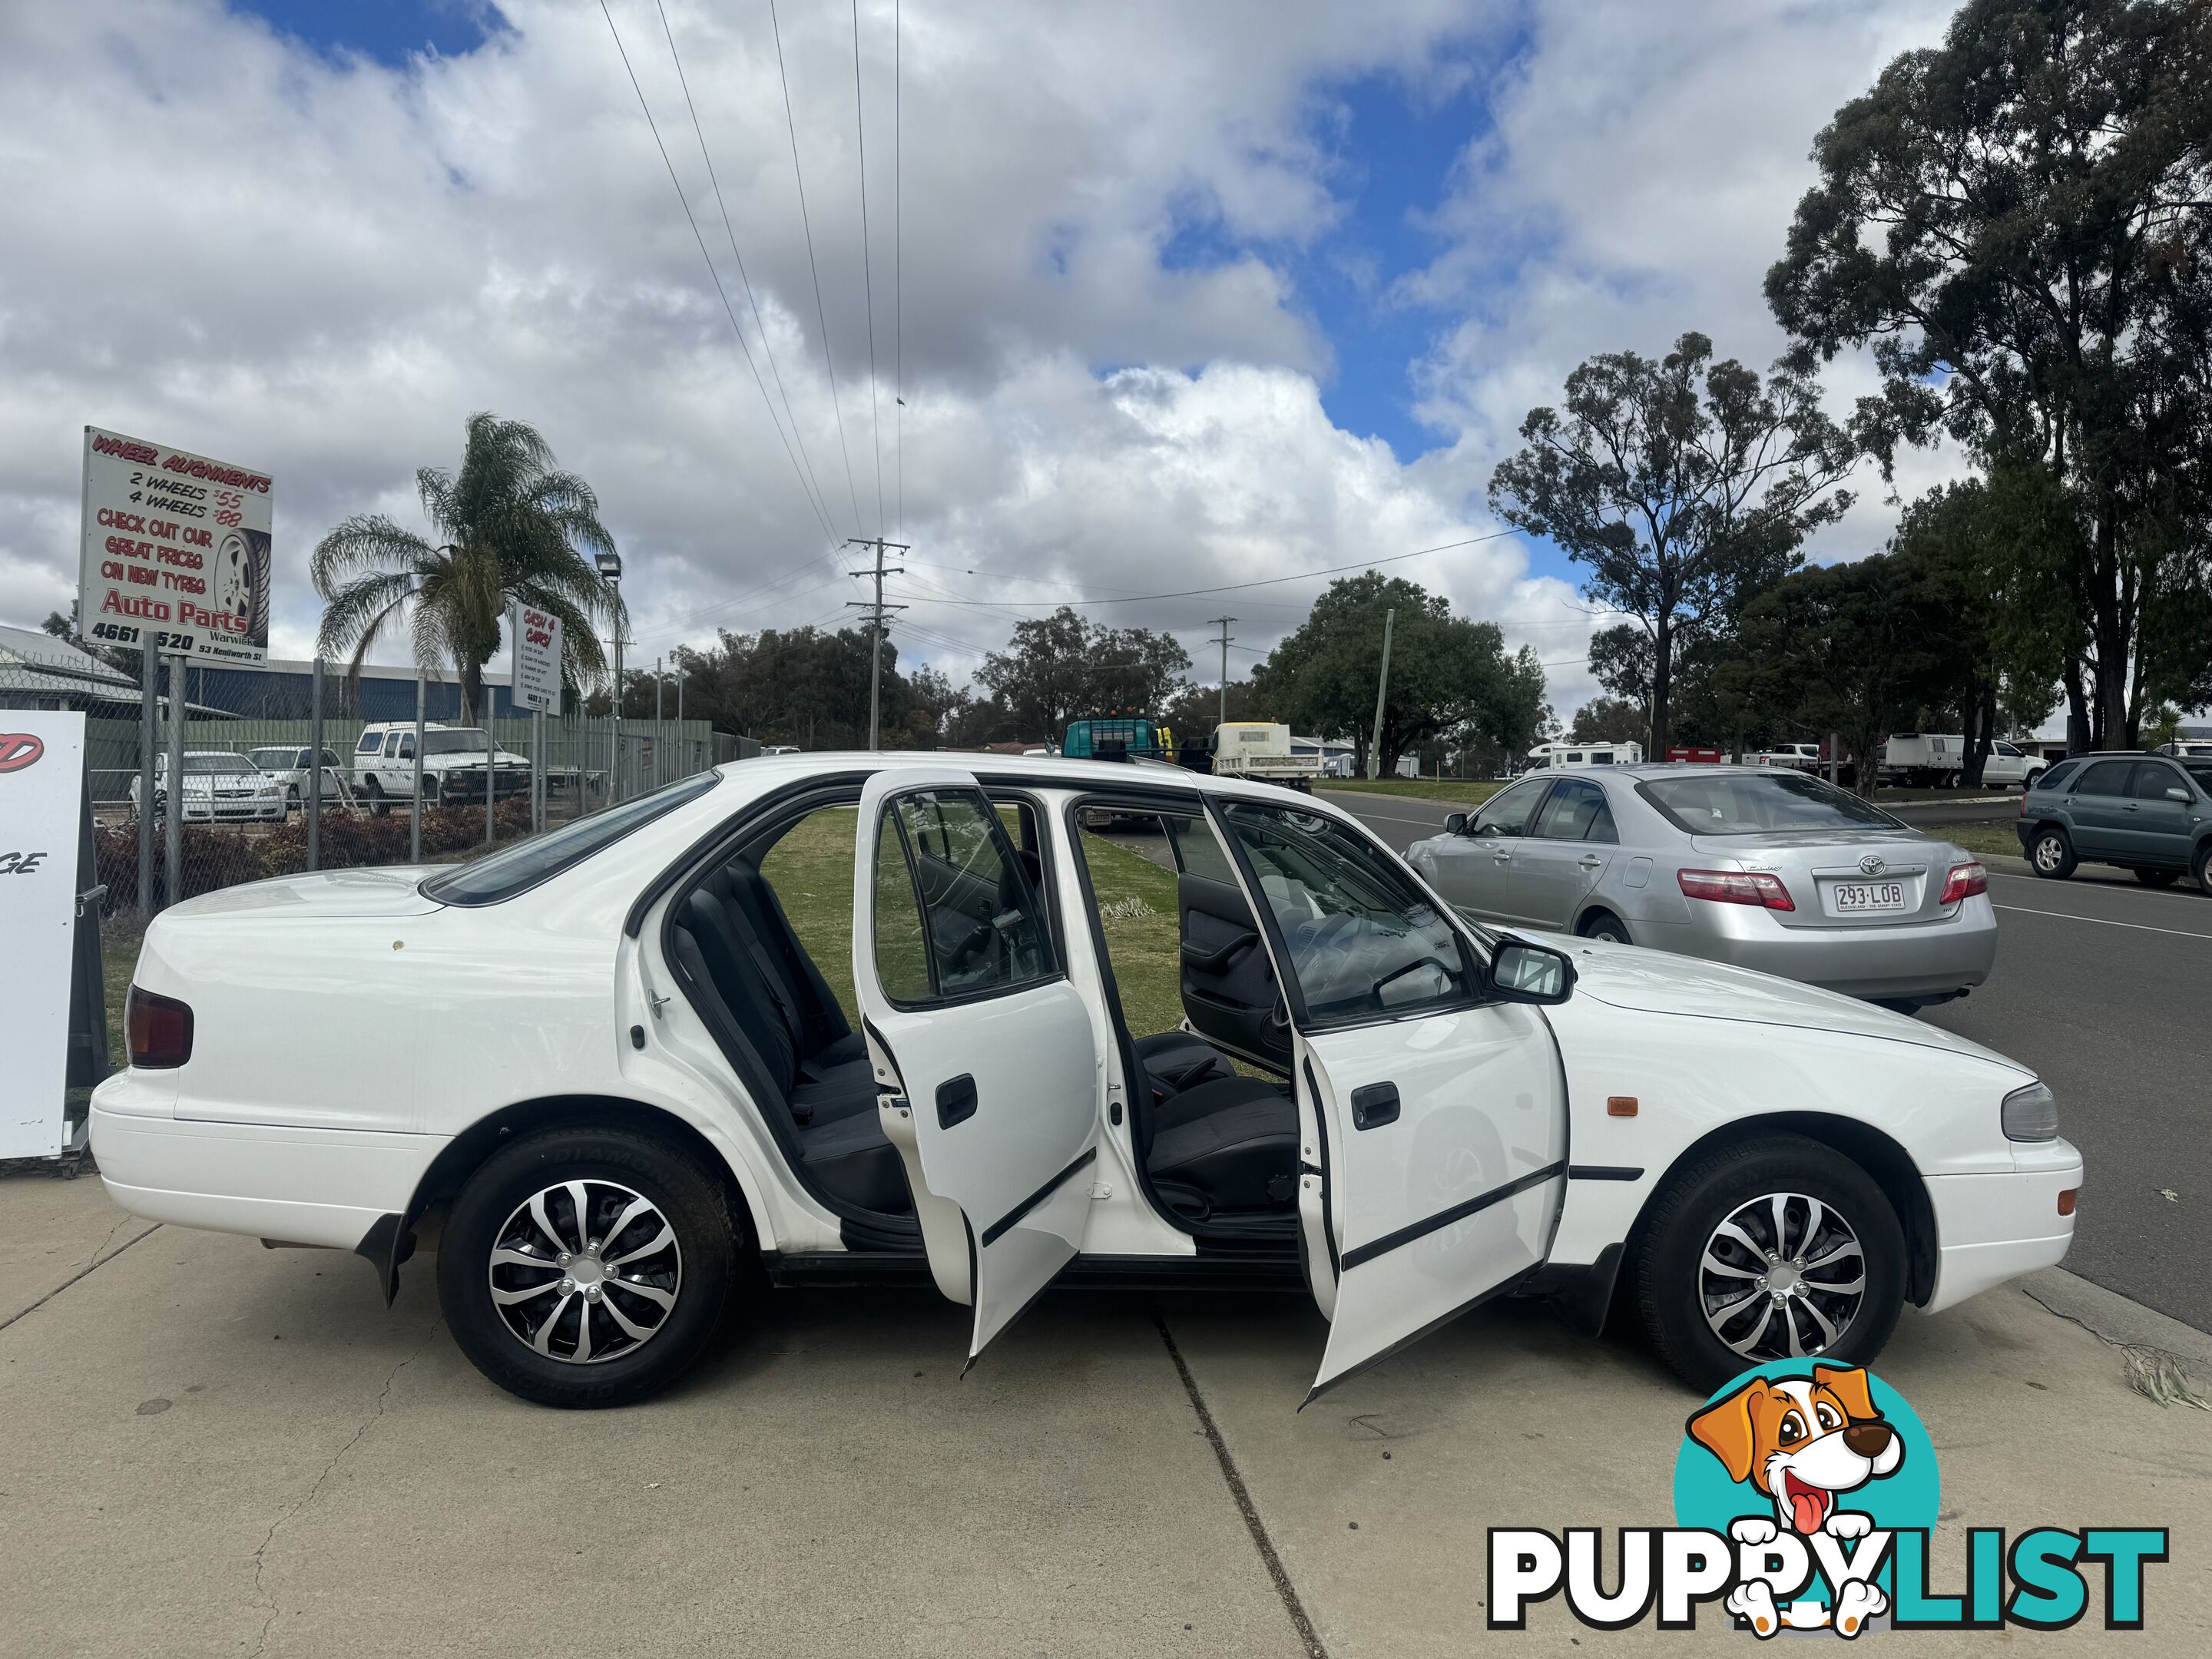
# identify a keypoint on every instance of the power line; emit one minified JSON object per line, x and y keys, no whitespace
{"x":727,"y":309}
{"x":767,"y":349}
{"x":868,"y":274}
{"x":898,"y":258}
{"x":821,"y":315}
{"x":1237,"y":587}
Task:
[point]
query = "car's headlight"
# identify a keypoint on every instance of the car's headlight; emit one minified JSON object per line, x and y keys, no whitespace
{"x":2031,"y":1114}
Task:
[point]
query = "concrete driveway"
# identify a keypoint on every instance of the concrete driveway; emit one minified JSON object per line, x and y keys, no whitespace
{"x":218,"y":1449}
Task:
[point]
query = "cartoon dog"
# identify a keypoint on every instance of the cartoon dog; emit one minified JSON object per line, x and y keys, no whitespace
{"x":1800,"y":1443}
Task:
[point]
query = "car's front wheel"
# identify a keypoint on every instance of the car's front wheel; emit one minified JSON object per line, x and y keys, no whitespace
{"x":1771,"y":1249}
{"x":2050,"y":854}
{"x":2201,"y":867}
{"x":589,"y":1266}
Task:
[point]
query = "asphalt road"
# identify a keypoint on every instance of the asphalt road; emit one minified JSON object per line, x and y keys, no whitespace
{"x":2101,"y":985}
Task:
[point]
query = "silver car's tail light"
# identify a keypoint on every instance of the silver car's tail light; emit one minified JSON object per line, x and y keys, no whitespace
{"x":159,"y":1029}
{"x":2030,"y":1114}
{"x":1965,"y":881}
{"x":1735,"y":887}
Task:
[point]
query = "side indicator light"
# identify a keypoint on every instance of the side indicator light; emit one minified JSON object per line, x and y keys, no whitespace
{"x":2066,"y":1200}
{"x":1621,"y":1106}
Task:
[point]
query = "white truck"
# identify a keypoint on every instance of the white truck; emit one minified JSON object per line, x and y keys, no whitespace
{"x":1262,"y":750}
{"x":1922,"y":759}
{"x":454,"y":765}
{"x":1796,"y":756}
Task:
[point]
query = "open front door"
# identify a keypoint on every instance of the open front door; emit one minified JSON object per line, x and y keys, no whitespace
{"x":988,"y":1072}
{"x":1432,"y":1123}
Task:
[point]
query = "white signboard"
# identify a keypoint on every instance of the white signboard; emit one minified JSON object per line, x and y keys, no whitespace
{"x":41,"y":812}
{"x":536,"y":684}
{"x":176,"y":543}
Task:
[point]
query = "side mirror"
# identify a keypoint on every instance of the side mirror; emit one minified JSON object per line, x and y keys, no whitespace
{"x":2181,"y":795}
{"x":1522,"y":972}
{"x":1455,"y":823}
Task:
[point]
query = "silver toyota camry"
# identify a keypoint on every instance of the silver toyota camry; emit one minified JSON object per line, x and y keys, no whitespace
{"x":1765,"y":868}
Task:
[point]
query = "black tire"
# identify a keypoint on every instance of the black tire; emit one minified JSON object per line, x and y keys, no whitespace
{"x":1604,"y":926}
{"x":2201,"y":867}
{"x":1666,"y":1256}
{"x":372,"y":792}
{"x":2050,"y":854}
{"x":2158,"y":877}
{"x":709,"y":1234}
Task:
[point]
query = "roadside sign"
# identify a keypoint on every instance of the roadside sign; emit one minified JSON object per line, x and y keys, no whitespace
{"x":42,"y":804}
{"x":535,"y":683}
{"x":176,"y":545}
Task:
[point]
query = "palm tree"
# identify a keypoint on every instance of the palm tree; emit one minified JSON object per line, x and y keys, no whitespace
{"x":512,"y":528}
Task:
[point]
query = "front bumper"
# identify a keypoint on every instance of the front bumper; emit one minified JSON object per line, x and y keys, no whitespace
{"x":1917,"y":959}
{"x":1992,"y":1227}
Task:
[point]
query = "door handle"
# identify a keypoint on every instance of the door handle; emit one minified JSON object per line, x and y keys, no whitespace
{"x":2133,"y":807}
{"x":1373,"y":1105}
{"x":1589,"y":861}
{"x":1498,"y":857}
{"x":955,"y":1101}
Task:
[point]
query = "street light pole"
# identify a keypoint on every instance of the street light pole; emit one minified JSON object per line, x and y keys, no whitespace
{"x":1223,"y":718}
{"x":1382,"y":691}
{"x":611,"y":570}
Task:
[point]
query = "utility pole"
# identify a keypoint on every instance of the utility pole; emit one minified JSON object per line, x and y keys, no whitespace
{"x":1223,"y":718}
{"x":878,"y":615}
{"x":1382,"y":691}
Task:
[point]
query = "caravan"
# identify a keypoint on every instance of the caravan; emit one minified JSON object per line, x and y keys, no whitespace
{"x":1586,"y":754}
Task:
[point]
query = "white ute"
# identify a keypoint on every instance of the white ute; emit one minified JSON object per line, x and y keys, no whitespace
{"x":626,"y":1072}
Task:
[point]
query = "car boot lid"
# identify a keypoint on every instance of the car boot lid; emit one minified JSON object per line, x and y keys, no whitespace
{"x":385,"y":891}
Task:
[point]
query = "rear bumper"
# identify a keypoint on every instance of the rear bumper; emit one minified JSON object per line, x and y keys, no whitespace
{"x":1992,"y":1227}
{"x":303,"y":1186}
{"x":1924,"y":959}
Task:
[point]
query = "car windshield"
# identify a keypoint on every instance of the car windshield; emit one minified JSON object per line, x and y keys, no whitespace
{"x":463,"y":742}
{"x":275,"y":760}
{"x":208,"y":765}
{"x":502,"y":875}
{"x":1760,"y":802}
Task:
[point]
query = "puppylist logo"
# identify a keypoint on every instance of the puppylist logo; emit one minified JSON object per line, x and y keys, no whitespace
{"x":1805,"y":1494}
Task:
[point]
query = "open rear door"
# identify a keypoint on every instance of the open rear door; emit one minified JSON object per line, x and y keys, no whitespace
{"x":984,"y":1058}
{"x":1433,"y":1122}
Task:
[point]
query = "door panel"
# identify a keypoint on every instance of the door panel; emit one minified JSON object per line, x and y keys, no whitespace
{"x":1229,"y":992}
{"x":2164,"y":831}
{"x":1433,"y":1124}
{"x":1487,"y":869}
{"x":2099,"y":801}
{"x":990,"y":1080}
{"x":1569,"y":840}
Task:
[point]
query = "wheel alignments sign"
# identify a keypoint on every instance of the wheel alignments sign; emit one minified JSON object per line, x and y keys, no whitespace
{"x":176,"y":543}
{"x":41,"y":805}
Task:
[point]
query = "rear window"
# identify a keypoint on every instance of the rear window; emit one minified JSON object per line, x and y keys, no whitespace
{"x":2056,"y":776}
{"x":502,"y":875}
{"x":1760,"y":802}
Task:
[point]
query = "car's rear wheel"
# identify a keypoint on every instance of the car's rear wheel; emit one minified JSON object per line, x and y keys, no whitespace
{"x":1604,"y":926}
{"x":589,"y":1266}
{"x":2158,"y":877}
{"x":2050,"y":854}
{"x":1771,"y":1249}
{"x":372,"y":792}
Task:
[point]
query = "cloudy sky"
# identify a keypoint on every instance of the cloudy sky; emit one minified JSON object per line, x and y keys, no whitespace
{"x":1178,"y":294}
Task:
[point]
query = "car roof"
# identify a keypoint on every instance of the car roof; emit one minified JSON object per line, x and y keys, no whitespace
{"x":1045,"y":771}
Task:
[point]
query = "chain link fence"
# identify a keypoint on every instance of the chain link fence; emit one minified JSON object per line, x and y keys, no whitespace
{"x":253,"y":804}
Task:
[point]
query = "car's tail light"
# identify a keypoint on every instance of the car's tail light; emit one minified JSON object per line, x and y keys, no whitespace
{"x":1734,"y":887}
{"x":2030,"y":1114}
{"x":161,"y":1029}
{"x":1965,"y":881}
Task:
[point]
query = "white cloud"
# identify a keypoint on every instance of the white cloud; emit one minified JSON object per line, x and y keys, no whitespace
{"x":218,"y":238}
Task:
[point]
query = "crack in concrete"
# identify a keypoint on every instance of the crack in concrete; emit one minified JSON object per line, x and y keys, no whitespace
{"x":315,"y":1490}
{"x":2159,"y":1374}
{"x":98,"y":1261}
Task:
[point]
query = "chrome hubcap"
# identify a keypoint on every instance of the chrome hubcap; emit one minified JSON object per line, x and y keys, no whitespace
{"x":1781,"y":1278}
{"x":586,"y":1271}
{"x":2046,"y":853}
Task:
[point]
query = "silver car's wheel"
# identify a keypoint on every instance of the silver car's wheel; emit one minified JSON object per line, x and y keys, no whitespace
{"x":586,"y":1271}
{"x":1782,"y":1277}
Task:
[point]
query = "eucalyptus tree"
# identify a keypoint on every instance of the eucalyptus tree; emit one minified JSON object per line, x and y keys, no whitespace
{"x":510,"y":525}
{"x":2019,"y":223}
{"x":1685,"y":485}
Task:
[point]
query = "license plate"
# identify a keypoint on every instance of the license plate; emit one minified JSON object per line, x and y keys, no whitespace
{"x":1851,"y":897}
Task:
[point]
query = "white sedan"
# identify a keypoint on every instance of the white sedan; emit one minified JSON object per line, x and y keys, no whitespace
{"x":855,"y":1018}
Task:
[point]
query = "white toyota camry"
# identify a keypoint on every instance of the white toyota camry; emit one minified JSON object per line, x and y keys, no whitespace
{"x":854,"y":1018}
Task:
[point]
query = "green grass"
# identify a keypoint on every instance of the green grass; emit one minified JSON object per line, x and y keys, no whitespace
{"x":1470,"y":792}
{"x":1982,"y":840}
